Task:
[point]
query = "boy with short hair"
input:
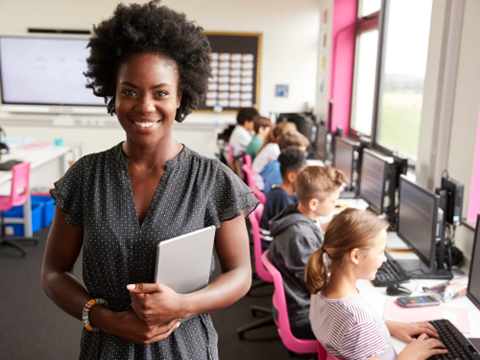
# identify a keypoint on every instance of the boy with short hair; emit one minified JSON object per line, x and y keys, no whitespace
{"x":271,"y":172}
{"x":296,"y":236}
{"x":291,"y":161}
{"x":240,"y":137}
{"x":262,"y":126}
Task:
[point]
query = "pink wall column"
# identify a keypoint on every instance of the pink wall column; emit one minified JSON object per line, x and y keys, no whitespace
{"x":474,"y":204}
{"x":343,"y":55}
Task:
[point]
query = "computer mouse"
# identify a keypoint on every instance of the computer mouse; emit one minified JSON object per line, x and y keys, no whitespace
{"x":397,"y":289}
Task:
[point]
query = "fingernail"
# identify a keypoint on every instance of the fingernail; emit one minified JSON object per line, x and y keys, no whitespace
{"x":177,"y":325}
{"x":131,"y":286}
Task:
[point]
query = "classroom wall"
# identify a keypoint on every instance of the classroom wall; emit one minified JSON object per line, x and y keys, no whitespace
{"x":289,"y":54}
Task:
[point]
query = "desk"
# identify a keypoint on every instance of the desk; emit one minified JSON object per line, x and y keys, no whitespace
{"x":376,"y":296}
{"x":46,"y":166}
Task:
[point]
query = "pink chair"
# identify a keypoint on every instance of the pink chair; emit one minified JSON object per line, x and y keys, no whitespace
{"x":262,"y":273}
{"x":293,"y":344}
{"x":324,"y":354}
{"x":230,"y":153}
{"x":247,"y":160}
{"x":18,"y":196}
{"x":251,"y":184}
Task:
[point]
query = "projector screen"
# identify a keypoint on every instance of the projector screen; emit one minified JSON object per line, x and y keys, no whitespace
{"x":45,"y":71}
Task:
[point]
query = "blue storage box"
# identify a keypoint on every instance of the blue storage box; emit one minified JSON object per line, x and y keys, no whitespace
{"x":48,"y":207}
{"x":17,"y":212}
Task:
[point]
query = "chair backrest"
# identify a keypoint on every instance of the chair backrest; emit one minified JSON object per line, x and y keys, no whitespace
{"x":230,"y":153}
{"x":251,"y":184}
{"x":257,"y":248}
{"x":324,"y":354}
{"x":299,"y":346}
{"x":247,"y":160}
{"x":20,"y":187}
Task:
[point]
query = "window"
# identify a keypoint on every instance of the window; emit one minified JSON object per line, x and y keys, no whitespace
{"x":368,"y":7}
{"x":364,"y":81}
{"x":400,"y":101}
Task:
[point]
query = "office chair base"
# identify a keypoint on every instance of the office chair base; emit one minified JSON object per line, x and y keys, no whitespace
{"x":254,"y":325}
{"x":12,"y":243}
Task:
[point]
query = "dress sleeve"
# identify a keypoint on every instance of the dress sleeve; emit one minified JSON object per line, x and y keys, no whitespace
{"x":68,"y":193}
{"x":229,"y":197}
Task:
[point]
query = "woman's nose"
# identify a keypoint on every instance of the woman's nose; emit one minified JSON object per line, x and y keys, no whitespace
{"x":146,"y":104}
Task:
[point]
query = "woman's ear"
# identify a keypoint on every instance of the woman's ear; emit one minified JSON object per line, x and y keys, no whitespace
{"x":179,"y":99}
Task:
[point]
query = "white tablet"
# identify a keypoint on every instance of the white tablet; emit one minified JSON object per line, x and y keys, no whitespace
{"x":183,"y":262}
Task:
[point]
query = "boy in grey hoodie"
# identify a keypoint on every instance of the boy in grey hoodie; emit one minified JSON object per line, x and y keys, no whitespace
{"x":296,"y":236}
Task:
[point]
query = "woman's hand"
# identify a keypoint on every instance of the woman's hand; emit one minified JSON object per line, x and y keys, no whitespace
{"x":405,"y":331}
{"x":127,"y":325}
{"x":156,"y":304}
{"x":422,"y":348}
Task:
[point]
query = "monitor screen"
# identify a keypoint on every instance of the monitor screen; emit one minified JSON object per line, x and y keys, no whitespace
{"x":372,"y":180}
{"x":343,"y":158}
{"x":417,"y":219}
{"x":473,"y":292}
{"x":321,"y":142}
{"x":45,"y":71}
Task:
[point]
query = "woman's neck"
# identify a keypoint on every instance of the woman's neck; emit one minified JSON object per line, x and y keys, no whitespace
{"x":153,"y":155}
{"x":342,"y":283}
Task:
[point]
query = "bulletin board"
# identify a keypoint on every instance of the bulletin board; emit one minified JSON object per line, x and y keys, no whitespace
{"x":235,"y":81}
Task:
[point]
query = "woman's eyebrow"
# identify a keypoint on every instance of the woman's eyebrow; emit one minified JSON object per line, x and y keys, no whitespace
{"x":136,"y":87}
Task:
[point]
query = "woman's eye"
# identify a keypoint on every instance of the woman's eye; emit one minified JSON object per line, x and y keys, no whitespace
{"x":128,"y":92}
{"x":161,"y":93}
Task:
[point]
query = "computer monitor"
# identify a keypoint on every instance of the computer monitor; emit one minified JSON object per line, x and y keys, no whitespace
{"x":43,"y":73}
{"x":421,"y":227}
{"x":343,"y":159}
{"x":374,"y":175}
{"x":321,"y":142}
{"x":303,"y":122}
{"x":473,"y":290}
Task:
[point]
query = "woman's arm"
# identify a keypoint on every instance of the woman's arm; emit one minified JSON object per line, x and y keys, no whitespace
{"x":405,"y":331}
{"x":63,"y":247}
{"x":155,"y":303}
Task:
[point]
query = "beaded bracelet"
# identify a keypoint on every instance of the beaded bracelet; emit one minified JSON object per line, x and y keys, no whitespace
{"x":86,"y":311}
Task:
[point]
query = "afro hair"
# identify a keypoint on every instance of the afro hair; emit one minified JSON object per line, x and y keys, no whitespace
{"x":149,"y":28}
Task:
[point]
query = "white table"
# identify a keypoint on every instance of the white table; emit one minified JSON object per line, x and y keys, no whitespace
{"x":377,"y":297}
{"x":47,"y":165}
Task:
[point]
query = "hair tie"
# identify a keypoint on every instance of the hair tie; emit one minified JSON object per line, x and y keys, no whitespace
{"x":325,"y":251}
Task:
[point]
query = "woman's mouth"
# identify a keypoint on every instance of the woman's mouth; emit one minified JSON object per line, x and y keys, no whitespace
{"x":145,"y":124}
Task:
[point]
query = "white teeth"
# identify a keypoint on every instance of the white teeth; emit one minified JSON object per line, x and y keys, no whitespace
{"x":145,"y":124}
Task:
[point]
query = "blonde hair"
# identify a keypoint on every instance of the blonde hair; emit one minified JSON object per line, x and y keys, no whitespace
{"x":317,"y":182}
{"x":351,"y":229}
{"x":292,"y":138}
{"x":276,"y":131}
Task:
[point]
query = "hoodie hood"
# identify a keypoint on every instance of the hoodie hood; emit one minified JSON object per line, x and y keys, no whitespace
{"x":288,"y":217}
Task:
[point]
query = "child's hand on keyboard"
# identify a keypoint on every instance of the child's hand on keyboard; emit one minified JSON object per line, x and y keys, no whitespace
{"x":422,"y":348}
{"x":406,"y":332}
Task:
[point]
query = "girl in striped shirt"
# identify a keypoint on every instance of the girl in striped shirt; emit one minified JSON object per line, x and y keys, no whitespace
{"x":342,"y":320}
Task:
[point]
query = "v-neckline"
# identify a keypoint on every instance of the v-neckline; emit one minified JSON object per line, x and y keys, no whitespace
{"x":169,"y":165}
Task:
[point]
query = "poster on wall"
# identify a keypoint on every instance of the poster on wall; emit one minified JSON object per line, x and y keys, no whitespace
{"x":235,"y":71}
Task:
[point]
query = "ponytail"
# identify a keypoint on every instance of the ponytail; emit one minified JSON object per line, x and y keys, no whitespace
{"x":351,"y":229}
{"x":316,"y":272}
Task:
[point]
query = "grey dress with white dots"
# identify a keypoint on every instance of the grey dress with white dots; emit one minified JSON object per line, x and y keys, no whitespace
{"x":96,"y":193}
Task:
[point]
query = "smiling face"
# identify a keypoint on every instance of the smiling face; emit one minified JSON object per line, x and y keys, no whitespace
{"x":147,"y":98}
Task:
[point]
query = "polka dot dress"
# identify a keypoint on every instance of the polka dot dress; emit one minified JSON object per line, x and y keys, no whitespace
{"x":96,"y":193}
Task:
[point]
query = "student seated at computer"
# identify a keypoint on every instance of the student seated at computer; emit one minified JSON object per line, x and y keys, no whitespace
{"x":271,"y":172}
{"x":241,"y":137}
{"x":270,"y":149}
{"x":291,"y":160}
{"x":262,"y":126}
{"x":342,"y":320}
{"x":296,"y":236}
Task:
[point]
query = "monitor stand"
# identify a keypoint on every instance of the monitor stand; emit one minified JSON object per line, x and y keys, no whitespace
{"x":416,"y":269}
{"x":345,"y":194}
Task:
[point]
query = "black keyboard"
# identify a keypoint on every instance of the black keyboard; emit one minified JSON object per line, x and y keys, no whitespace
{"x":455,"y":342}
{"x":390,"y":273}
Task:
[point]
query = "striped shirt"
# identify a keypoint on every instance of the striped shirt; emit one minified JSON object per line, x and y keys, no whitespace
{"x":349,"y":328}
